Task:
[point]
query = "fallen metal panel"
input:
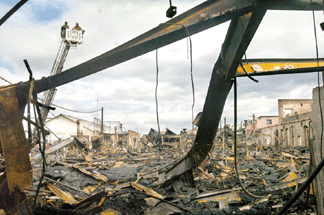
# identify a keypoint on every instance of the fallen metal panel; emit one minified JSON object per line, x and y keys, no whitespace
{"x":83,"y":170}
{"x":229,"y":197}
{"x":54,"y":148}
{"x":13,"y":141}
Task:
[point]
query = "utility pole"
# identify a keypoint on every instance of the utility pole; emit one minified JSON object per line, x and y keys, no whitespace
{"x":224,"y":129}
{"x":245,"y":128}
{"x":102,"y":129}
{"x":246,"y":138}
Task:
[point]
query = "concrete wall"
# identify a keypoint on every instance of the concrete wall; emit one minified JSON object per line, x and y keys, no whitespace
{"x":291,"y":133}
{"x":295,"y":132}
{"x":65,"y":128}
{"x":291,"y":107}
{"x":133,"y":140}
{"x":263,"y":121}
{"x":317,"y":151}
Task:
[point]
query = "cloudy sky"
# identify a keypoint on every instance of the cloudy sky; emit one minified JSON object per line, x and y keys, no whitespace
{"x":126,"y":91}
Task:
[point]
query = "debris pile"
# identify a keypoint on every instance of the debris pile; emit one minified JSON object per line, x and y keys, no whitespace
{"x":107,"y":180}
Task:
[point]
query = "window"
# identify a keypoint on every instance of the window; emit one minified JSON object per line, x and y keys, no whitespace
{"x":269,"y":121}
{"x":288,"y":112}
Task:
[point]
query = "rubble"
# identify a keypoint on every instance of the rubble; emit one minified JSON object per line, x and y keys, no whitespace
{"x":116,"y":181}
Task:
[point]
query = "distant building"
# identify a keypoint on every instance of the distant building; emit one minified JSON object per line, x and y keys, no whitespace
{"x":290,"y":129}
{"x":65,"y":126}
{"x":165,"y":138}
{"x":292,"y":107}
{"x":262,"y":122}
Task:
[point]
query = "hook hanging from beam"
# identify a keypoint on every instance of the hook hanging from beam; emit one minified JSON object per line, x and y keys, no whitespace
{"x":171,"y":11}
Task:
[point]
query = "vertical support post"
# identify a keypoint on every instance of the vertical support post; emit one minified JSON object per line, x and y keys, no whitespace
{"x":224,"y":139}
{"x":318,"y":146}
{"x":102,"y":130}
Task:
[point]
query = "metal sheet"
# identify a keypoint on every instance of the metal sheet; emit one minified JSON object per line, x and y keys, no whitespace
{"x":13,"y":141}
{"x":54,"y":148}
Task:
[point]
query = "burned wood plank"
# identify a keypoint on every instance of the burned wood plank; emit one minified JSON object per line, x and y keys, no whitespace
{"x":13,"y":141}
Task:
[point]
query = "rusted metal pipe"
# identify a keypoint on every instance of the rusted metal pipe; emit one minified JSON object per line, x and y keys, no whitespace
{"x":302,"y":188}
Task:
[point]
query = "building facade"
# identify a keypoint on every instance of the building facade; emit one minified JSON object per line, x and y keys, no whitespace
{"x":290,"y":129}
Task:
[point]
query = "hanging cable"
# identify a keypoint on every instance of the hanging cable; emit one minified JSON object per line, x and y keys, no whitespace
{"x":191,"y":74}
{"x":318,"y":83}
{"x":76,"y":110}
{"x":235,"y":145}
{"x":248,"y":75}
{"x":192,"y":83}
{"x":156,"y":99}
{"x":5,"y":80}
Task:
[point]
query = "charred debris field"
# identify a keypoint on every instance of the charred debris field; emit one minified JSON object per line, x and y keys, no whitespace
{"x":119,"y":181}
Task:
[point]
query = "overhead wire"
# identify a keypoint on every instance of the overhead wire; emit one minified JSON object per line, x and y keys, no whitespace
{"x":5,"y":80}
{"x":156,"y":91}
{"x":76,"y":111}
{"x":192,"y":82}
{"x":191,"y":69}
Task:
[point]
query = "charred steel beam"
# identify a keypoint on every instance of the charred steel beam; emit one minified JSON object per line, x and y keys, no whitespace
{"x":292,"y":4}
{"x":12,"y":11}
{"x":239,"y":35}
{"x":282,"y":60}
{"x":201,"y":17}
{"x":280,"y":66}
{"x":285,"y":71}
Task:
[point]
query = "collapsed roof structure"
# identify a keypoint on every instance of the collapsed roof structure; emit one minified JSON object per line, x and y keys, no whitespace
{"x":245,"y":18}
